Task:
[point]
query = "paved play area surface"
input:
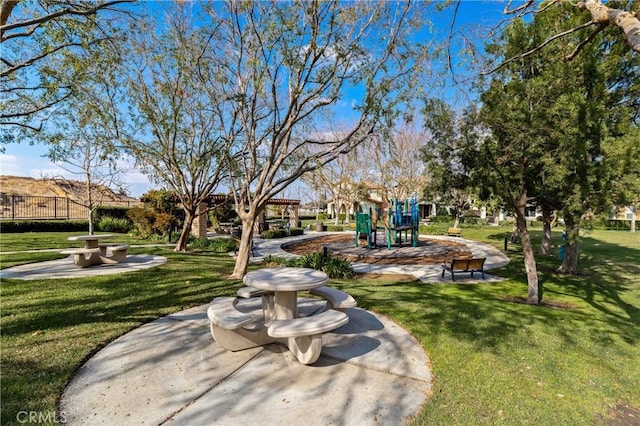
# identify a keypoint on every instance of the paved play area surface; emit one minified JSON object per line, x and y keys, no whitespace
{"x":170,"y":371}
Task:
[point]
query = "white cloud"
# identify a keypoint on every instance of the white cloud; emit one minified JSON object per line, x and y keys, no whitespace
{"x":9,"y":164}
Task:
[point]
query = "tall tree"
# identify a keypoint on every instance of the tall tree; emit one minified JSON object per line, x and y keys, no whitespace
{"x":80,"y":149}
{"x":34,"y":35}
{"x":148,"y":94}
{"x":285,"y":68}
{"x":175,"y":136}
{"x":393,"y":163}
{"x":554,"y":116}
{"x":622,"y":156}
{"x":451,"y":139}
{"x":585,"y":21}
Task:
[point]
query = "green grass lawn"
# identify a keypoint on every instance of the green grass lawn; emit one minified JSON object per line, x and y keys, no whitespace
{"x":494,"y":361}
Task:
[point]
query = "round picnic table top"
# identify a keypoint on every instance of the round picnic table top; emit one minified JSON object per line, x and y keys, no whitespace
{"x":90,"y":237}
{"x":286,"y":279}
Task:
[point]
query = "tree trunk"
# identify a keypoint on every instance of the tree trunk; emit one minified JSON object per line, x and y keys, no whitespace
{"x":514,"y":233}
{"x":90,"y":218}
{"x":181,"y":245}
{"x":242,"y":260}
{"x":456,"y":222}
{"x":534,"y":294}
{"x":547,"y":217}
{"x":627,"y":21}
{"x":633,"y":219}
{"x":570,"y":262}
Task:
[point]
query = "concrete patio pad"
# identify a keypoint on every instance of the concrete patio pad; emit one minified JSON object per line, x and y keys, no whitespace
{"x":171,"y":371}
{"x":65,"y":268}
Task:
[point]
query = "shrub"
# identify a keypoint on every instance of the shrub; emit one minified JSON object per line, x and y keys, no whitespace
{"x":441,"y":218}
{"x":221,"y":214}
{"x":335,"y":228}
{"x":323,"y":216}
{"x":429,"y":229}
{"x":337,"y":267}
{"x":296,"y":231}
{"x":199,"y":243}
{"x":110,"y":211}
{"x":164,"y":222}
{"x":222,"y":245}
{"x":273,"y":233}
{"x":143,"y":219}
{"x":333,"y":266}
{"x":113,"y":224}
{"x":163,"y":201}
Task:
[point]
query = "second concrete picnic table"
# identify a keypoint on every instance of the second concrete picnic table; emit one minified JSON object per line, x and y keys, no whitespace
{"x":279,"y":320}
{"x":95,"y":253}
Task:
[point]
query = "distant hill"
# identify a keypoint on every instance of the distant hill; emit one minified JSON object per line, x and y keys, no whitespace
{"x":75,"y":190}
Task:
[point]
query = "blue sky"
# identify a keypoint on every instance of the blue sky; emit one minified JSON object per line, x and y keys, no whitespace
{"x":28,"y":160}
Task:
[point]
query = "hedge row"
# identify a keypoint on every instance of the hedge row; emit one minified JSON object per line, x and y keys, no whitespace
{"x":15,"y":226}
{"x":110,"y":211}
{"x":280,"y":233}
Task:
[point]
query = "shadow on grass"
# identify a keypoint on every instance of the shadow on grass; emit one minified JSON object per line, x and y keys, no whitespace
{"x":138,"y":297}
{"x":607,"y":281}
{"x":480,"y":314}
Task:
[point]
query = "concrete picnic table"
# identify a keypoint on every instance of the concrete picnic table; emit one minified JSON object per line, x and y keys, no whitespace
{"x":279,"y":321}
{"x":285,"y":284}
{"x":95,"y":253}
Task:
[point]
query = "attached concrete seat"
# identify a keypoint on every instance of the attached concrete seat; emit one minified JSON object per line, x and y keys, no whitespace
{"x":304,"y":335}
{"x":118,"y":253}
{"x":267,"y":299}
{"x":336,"y":299}
{"x":308,"y":326}
{"x":222,"y":313}
{"x":78,"y":251}
{"x":249,"y":292}
{"x":84,"y":257}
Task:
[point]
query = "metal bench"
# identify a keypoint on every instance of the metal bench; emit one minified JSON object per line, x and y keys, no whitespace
{"x":464,"y":265}
{"x":454,"y":232}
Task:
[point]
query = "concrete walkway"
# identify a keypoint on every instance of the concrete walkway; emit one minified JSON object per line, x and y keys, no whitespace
{"x":171,"y":371}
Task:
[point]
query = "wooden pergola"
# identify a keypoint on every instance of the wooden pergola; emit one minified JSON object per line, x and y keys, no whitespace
{"x":199,"y":228}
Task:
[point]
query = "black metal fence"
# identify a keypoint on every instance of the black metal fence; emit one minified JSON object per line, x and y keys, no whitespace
{"x":26,"y":207}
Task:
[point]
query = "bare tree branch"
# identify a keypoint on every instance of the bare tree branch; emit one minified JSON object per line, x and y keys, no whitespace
{"x":539,"y":47}
{"x":6,"y":7}
{"x":34,"y":110}
{"x":602,"y":15}
{"x":69,"y":11}
{"x":627,"y":21}
{"x":520,"y":8}
{"x":584,"y":42}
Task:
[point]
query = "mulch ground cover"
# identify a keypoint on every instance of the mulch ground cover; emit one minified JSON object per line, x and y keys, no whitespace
{"x":429,"y":251}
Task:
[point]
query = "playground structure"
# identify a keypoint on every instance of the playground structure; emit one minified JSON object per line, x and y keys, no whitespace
{"x":401,"y":216}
